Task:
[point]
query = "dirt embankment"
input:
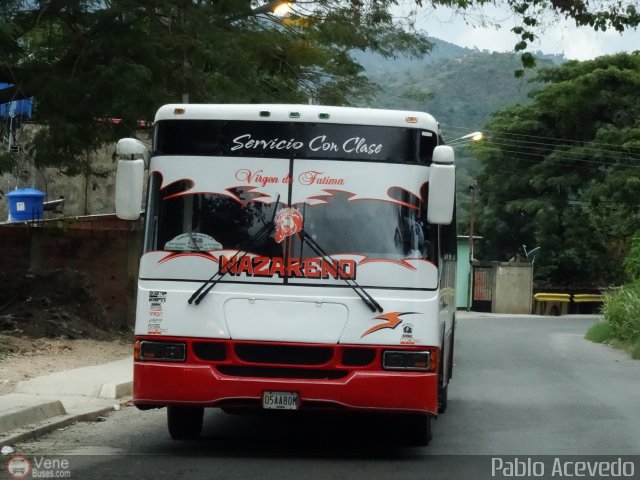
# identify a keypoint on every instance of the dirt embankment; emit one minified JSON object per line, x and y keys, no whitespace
{"x":53,"y":304}
{"x":52,"y":321}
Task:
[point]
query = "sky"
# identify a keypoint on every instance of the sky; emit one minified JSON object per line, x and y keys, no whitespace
{"x":559,"y":37}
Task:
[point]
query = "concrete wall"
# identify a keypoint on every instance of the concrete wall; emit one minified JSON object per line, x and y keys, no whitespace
{"x":90,"y":193}
{"x":513,"y":288}
{"x":104,"y":247}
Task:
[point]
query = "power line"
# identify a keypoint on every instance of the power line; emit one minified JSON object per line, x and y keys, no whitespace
{"x":563,"y":152}
{"x":556,"y":159}
{"x":555,"y":139}
{"x":525,"y":143}
{"x":616,"y":161}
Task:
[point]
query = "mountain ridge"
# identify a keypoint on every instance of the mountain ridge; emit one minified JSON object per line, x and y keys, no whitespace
{"x":460,"y":86}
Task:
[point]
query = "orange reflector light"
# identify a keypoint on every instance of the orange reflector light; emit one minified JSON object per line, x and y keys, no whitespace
{"x":411,"y":119}
{"x":136,"y":351}
{"x":179,"y":111}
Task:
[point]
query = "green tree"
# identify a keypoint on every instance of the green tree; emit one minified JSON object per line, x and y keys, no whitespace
{"x":563,"y":172}
{"x":87,"y":61}
{"x":600,"y":16}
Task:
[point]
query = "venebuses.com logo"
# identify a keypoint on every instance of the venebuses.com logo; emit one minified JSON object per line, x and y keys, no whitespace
{"x":38,"y":467}
{"x":18,"y":467}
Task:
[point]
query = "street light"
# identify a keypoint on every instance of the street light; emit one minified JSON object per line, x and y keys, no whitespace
{"x":283,"y":9}
{"x":471,"y":137}
{"x":276,"y":7}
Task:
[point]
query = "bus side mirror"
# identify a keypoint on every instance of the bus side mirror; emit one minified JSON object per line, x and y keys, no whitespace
{"x":130,"y":178}
{"x":129,"y":184}
{"x":442,"y":186}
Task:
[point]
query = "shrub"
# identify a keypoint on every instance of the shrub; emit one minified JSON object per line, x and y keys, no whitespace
{"x":635,"y":350}
{"x":632,"y":260}
{"x":600,"y":332}
{"x":621,"y":311}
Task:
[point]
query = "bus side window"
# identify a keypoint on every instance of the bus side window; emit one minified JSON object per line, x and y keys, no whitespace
{"x":428,"y":142}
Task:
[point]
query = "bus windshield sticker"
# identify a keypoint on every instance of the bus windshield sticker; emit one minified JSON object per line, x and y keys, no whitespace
{"x":156,"y":313}
{"x":407,"y":335}
{"x":288,"y":222}
{"x":192,"y":241}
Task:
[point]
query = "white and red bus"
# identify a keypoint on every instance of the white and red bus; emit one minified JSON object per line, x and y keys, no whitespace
{"x":296,"y":257}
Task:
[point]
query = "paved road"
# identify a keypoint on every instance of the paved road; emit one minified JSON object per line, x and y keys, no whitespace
{"x":522,"y":386}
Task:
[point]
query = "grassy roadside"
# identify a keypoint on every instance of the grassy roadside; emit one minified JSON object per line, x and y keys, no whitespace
{"x":601,"y":333}
{"x":620,"y":322}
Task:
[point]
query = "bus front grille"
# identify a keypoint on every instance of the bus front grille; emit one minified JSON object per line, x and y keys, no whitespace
{"x":281,"y":372}
{"x":283,"y":354}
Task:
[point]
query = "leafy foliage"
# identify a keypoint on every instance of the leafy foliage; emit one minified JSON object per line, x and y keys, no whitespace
{"x":576,"y":198}
{"x":597,"y":15}
{"x":599,"y":332}
{"x":632,"y":260}
{"x":622,"y":312}
{"x":464,"y":88}
{"x":89,"y":61}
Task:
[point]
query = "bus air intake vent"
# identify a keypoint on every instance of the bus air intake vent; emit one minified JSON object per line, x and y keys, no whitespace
{"x":210,"y":351}
{"x":283,"y":354}
{"x":358,"y":357}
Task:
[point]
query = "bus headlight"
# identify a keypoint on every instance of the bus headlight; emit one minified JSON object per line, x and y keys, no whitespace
{"x":161,"y":351}
{"x":406,"y":360}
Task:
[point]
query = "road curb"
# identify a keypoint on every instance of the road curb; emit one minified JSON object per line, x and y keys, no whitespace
{"x":30,"y":414}
{"x":115,"y":390}
{"x":84,"y":381}
{"x":55,"y":423}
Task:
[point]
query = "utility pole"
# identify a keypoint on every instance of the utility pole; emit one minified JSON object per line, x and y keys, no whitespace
{"x":472,"y":214}
{"x":472,"y":219}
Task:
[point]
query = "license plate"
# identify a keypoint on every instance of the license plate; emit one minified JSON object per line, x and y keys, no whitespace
{"x":280,"y":400}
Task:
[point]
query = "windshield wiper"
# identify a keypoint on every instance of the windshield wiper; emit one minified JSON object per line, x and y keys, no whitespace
{"x":256,"y":240}
{"x":362,"y":293}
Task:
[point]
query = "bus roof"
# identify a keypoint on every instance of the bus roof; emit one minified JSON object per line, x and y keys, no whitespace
{"x":298,"y":113}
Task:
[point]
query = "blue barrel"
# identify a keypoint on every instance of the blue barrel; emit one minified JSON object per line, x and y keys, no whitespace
{"x":25,"y":205}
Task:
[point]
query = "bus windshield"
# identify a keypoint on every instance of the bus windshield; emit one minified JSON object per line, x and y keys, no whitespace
{"x":374,"y":229}
{"x":207,"y":193}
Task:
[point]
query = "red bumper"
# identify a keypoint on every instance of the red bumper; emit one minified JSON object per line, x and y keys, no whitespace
{"x":203,"y":383}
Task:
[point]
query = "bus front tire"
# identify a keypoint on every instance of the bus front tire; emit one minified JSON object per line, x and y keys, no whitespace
{"x":419,"y":429}
{"x":185,"y":423}
{"x":443,"y":398}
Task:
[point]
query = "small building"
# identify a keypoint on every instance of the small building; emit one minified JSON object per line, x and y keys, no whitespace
{"x":497,"y":287}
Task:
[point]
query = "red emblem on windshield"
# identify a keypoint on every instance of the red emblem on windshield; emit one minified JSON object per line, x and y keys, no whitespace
{"x":288,"y":222}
